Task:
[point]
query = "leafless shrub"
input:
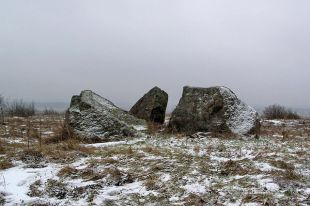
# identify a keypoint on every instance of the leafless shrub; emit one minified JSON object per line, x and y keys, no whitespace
{"x":279,"y":112}
{"x":49,"y":112}
{"x":2,"y":105}
{"x":1,"y":101}
{"x":20,"y":109}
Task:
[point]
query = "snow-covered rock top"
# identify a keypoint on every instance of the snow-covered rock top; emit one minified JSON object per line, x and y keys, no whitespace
{"x":240,"y":117}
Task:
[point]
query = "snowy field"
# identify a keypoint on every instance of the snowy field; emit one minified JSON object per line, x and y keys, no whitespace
{"x":155,"y":169}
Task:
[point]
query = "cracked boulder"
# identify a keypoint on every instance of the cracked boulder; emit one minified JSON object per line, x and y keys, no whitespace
{"x":95,"y":118}
{"x":214,"y":109}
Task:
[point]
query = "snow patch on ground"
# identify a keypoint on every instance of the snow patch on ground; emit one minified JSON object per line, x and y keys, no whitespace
{"x":195,"y":188}
{"x":113,"y":193}
{"x":140,"y":127}
{"x":275,"y":122}
{"x":264,"y":166}
{"x":15,"y":181}
{"x":111,"y":144}
{"x":269,"y":185}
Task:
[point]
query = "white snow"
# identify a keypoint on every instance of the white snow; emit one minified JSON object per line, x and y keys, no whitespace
{"x":242,"y":117}
{"x":110,"y":144}
{"x":15,"y":181}
{"x":195,"y":188}
{"x":251,"y":204}
{"x":275,"y":122}
{"x":264,"y":166}
{"x":113,"y":192}
{"x":48,"y":133}
{"x":269,"y":184}
{"x":105,"y":144}
{"x":174,"y":198}
{"x":140,"y":127}
{"x":165,"y":177}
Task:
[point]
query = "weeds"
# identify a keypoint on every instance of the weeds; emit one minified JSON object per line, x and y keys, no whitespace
{"x":282,"y":165}
{"x":67,"y":171}
{"x":231,"y":168}
{"x":5,"y":164}
{"x":151,"y":182}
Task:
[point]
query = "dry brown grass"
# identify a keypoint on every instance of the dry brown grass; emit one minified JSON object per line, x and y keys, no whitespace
{"x":153,"y":127}
{"x":111,"y":152}
{"x":31,"y":156}
{"x":194,"y":199}
{"x":34,"y":190}
{"x":281,"y":164}
{"x":196,"y":149}
{"x":152,"y":150}
{"x":232,"y":168}
{"x":151,"y":182}
{"x":291,"y":175}
{"x":67,"y":171}
{"x":61,"y":133}
{"x":263,"y":199}
{"x":5,"y":164}
{"x":2,"y":148}
{"x":117,"y":177}
{"x":108,"y":161}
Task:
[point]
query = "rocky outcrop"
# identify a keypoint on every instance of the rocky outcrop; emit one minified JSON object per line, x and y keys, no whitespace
{"x":93,"y":117}
{"x":152,"y":106}
{"x":214,"y":109}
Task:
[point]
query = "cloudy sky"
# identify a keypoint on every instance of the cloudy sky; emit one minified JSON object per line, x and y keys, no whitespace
{"x":52,"y":49}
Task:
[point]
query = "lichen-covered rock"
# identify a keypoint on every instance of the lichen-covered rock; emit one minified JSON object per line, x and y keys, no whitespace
{"x":214,"y":109}
{"x":152,"y":106}
{"x":93,"y":117}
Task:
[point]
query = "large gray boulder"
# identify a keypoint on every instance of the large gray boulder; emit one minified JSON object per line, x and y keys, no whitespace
{"x":152,"y":106}
{"x":214,"y":109}
{"x":93,"y":117}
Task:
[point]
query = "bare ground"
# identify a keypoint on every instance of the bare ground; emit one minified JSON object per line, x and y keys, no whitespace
{"x":155,"y":169}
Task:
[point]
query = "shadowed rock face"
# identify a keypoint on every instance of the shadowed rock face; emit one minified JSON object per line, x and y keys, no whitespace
{"x":152,"y":106}
{"x":214,"y":109}
{"x":93,"y":117}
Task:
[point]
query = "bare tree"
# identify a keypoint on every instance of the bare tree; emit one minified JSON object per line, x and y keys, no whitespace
{"x":20,"y":109}
{"x":2,"y":109}
{"x":279,"y":112}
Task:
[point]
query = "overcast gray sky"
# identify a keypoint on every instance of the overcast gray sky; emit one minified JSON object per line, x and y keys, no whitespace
{"x":52,"y":49}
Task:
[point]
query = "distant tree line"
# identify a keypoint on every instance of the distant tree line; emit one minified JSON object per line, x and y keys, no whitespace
{"x":20,"y":108}
{"x":279,"y":112}
{"x":16,"y":108}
